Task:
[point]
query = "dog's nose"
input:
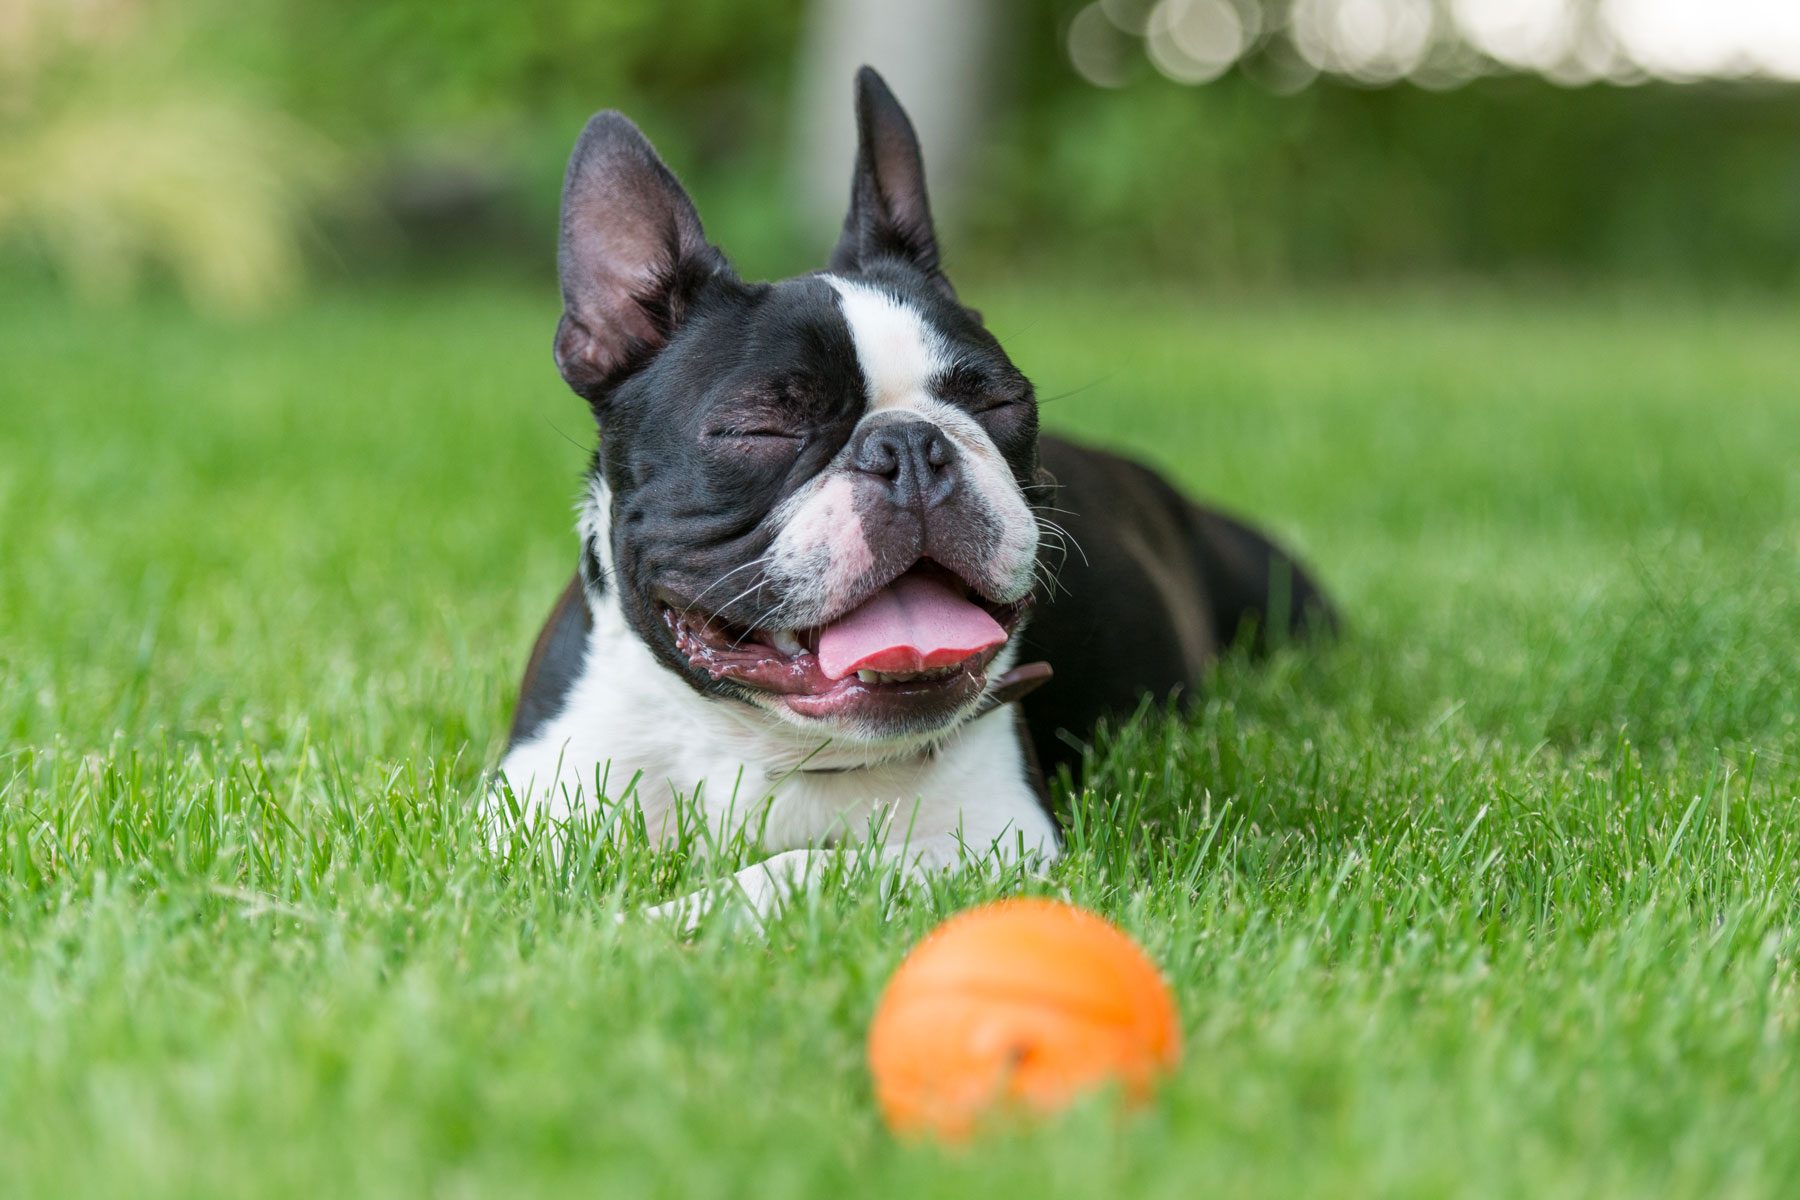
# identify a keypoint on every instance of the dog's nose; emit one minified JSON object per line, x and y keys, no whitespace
{"x":918,"y":462}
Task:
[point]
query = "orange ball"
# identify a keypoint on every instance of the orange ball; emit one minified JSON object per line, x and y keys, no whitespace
{"x":1020,"y":1005}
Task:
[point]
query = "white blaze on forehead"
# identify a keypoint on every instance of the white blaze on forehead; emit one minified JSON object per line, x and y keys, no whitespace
{"x":898,"y":352}
{"x":821,"y":556}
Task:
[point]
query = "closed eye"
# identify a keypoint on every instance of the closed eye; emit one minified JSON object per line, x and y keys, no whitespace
{"x":762,"y":445}
{"x":754,"y":426}
{"x":981,"y":390}
{"x":784,"y":434}
{"x":768,"y":415}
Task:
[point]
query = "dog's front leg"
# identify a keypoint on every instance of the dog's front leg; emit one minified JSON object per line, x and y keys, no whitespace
{"x":763,"y":888}
{"x":760,"y":889}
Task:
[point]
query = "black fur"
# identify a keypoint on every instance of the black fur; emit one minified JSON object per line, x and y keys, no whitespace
{"x":1157,"y":589}
{"x":555,"y":663}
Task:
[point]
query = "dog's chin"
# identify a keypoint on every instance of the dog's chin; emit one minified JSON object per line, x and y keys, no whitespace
{"x":779,"y":671}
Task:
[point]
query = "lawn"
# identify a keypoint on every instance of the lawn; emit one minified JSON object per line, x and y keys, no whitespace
{"x":1498,"y":896}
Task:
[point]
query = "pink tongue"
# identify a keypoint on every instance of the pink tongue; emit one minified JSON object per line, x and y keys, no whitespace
{"x":913,"y":624}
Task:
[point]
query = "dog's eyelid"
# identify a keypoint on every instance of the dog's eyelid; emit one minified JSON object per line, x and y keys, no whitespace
{"x":982,"y":387}
{"x":1001,"y":397}
{"x":761,"y":413}
{"x":963,"y":378}
{"x":754,"y":429}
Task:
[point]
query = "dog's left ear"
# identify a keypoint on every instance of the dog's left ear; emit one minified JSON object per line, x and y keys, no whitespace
{"x":890,"y":216}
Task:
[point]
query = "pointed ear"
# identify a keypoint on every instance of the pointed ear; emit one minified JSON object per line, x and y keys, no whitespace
{"x":632,"y":256}
{"x":889,"y":213}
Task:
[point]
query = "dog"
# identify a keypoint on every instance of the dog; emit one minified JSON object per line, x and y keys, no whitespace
{"x":819,"y":595}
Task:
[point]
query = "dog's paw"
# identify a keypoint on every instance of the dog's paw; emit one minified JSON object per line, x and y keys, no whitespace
{"x":747,"y":899}
{"x":681,"y":915}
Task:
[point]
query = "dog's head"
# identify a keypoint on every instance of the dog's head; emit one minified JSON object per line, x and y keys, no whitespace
{"x":810,"y":496}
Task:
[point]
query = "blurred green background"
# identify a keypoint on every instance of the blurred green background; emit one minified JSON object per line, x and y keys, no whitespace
{"x":240,"y":149}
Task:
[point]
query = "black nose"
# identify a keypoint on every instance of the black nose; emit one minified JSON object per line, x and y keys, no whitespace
{"x":919,"y":463}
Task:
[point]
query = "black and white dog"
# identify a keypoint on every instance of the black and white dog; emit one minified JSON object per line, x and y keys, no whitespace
{"x":814,"y":583}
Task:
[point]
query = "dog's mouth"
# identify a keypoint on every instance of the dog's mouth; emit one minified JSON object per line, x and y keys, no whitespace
{"x":913,"y":652}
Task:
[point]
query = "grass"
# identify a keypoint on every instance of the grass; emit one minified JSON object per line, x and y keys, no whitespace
{"x":1499,"y":896}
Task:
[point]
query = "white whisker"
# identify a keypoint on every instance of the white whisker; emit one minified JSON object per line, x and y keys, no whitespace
{"x":755,"y":562}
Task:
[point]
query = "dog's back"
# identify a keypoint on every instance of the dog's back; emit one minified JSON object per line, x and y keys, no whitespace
{"x":1149,"y":590}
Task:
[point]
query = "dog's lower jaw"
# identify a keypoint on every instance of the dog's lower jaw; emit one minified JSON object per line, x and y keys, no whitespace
{"x":957,"y":799}
{"x":837,"y":745}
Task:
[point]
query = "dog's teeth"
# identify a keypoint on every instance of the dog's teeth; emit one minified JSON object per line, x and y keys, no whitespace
{"x":927,"y":675}
{"x":785,"y":641}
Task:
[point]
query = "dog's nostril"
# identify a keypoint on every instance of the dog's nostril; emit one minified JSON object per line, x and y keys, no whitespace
{"x":880,"y":457}
{"x":937,"y":453}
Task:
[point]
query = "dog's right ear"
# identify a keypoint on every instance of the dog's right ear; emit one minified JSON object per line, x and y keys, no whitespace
{"x":889,"y":213}
{"x":632,"y":256}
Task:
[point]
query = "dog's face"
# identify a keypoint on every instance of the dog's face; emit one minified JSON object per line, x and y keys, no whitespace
{"x":816,"y":491}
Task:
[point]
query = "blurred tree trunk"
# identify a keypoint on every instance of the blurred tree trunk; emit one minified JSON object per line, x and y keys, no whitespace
{"x":937,"y":55}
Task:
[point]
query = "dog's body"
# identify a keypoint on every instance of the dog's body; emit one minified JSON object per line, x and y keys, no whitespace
{"x":812,"y":593}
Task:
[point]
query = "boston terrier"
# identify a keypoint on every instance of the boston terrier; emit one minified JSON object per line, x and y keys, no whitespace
{"x":825,"y":552}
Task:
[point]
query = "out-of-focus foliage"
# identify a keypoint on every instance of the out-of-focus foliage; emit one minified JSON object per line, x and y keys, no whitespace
{"x":397,"y":67}
{"x":208,"y":140}
{"x":203,"y":139}
{"x":1509,"y":175}
{"x":115,"y":160}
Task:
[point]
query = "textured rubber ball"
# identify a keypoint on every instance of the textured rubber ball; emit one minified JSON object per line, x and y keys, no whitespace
{"x":1017,"y":1007}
